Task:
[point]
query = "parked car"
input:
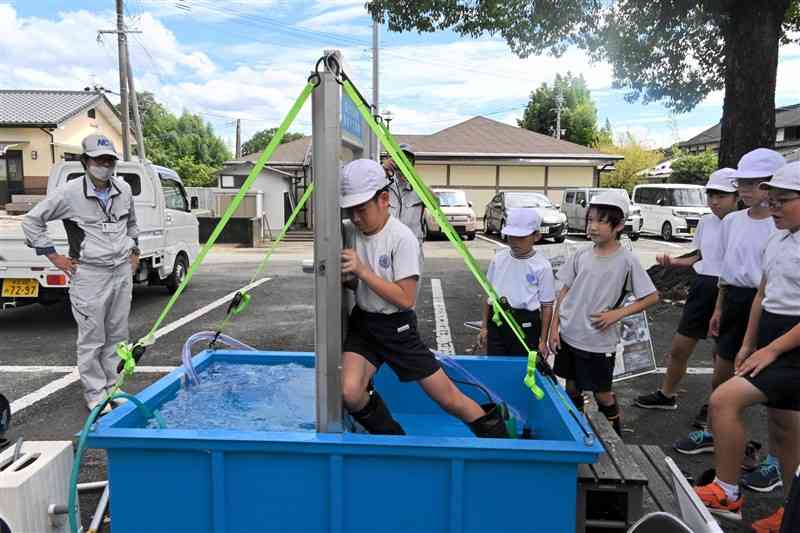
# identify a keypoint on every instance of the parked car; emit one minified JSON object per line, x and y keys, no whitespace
{"x":168,"y":238}
{"x":459,"y":213}
{"x":554,"y":223}
{"x":575,"y":202}
{"x":671,"y":209}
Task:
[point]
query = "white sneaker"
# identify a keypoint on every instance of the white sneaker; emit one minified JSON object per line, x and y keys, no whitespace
{"x":91,"y":404}
{"x":117,"y":402}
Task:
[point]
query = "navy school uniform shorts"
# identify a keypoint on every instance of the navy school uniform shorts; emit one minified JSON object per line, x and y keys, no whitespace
{"x":780,"y":381}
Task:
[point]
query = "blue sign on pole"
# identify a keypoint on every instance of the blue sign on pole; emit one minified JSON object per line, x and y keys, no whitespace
{"x":351,"y":121}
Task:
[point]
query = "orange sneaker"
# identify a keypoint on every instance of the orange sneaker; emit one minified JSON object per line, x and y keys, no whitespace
{"x":714,"y":498}
{"x":770,"y":524}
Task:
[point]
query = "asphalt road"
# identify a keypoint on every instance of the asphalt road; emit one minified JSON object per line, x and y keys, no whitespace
{"x":280,"y":317}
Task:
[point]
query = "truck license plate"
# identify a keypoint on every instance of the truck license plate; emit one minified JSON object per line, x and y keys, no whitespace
{"x":20,"y":288}
{"x":544,"y":230}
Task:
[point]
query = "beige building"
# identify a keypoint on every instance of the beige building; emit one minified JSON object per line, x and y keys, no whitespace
{"x":40,"y":128}
{"x":480,"y":155}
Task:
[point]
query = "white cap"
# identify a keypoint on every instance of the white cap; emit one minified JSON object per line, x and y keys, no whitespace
{"x":96,"y":145}
{"x":759,"y":163}
{"x":613,"y":198}
{"x":361,"y":179}
{"x":522,"y":221}
{"x":722,"y":180}
{"x":787,"y":177}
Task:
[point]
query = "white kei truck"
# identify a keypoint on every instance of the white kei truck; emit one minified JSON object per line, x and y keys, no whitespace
{"x":168,"y":237}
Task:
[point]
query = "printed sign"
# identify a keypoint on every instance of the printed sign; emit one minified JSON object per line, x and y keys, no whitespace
{"x":351,"y":122}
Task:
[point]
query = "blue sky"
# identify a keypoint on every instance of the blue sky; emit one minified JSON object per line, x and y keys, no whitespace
{"x":249,"y":59}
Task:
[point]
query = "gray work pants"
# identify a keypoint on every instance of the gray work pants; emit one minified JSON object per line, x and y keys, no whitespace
{"x":101,"y":302}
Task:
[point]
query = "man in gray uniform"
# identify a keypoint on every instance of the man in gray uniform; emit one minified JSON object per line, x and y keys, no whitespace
{"x":98,"y":215}
{"x":404,"y":203}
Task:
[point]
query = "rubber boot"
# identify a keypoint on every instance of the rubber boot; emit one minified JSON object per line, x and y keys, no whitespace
{"x":491,"y":425}
{"x":612,"y":414}
{"x":578,"y":401}
{"x":376,"y":418}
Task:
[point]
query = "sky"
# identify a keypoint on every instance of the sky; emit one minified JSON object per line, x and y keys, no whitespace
{"x":249,"y":60}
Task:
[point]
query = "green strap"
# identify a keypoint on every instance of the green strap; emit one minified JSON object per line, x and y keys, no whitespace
{"x":234,"y":205}
{"x":245,"y":296}
{"x":432,"y":205}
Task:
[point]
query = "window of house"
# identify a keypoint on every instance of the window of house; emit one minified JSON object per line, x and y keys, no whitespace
{"x":91,"y":113}
{"x":791,"y":133}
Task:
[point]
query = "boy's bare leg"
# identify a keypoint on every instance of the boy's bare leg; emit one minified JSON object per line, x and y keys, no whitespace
{"x":725,"y":409}
{"x":723,"y":371}
{"x":681,"y":350}
{"x":784,"y":434}
{"x":356,"y":374}
{"x":439,"y":387}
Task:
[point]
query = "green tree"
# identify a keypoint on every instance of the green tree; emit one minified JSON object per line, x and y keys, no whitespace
{"x":677,"y":51}
{"x":628,"y":172}
{"x":261,"y":139}
{"x":185,"y":144}
{"x":605,"y":135}
{"x":694,"y":169}
{"x":578,"y":113}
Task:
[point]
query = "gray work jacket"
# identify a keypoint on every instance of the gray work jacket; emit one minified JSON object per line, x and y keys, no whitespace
{"x":97,"y":236}
{"x":407,"y":207}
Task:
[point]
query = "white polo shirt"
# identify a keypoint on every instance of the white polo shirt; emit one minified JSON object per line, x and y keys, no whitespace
{"x":708,"y":240}
{"x":392,"y":253}
{"x":744,"y":239}
{"x":782,"y":271}
{"x":526,"y":283}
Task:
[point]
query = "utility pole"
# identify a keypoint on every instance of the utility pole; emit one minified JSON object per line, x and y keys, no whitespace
{"x":375,"y":149}
{"x":137,"y":117}
{"x":559,"y":103}
{"x":238,"y":138}
{"x":123,"y":81}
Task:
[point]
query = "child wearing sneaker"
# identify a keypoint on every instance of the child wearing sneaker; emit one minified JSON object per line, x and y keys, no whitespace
{"x":707,"y":262}
{"x":585,"y":335}
{"x":524,"y":279}
{"x":744,"y":235}
{"x":382,"y":328}
{"x":767,"y":367}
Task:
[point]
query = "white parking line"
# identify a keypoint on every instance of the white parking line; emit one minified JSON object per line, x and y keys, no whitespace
{"x":695,"y":370}
{"x":672,"y":244}
{"x":11,"y":369}
{"x":169,"y":328}
{"x":42,"y":393}
{"x":444,"y":338}
{"x":487,"y":239}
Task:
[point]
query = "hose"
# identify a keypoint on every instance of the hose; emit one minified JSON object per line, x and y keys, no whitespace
{"x":186,"y":351}
{"x":76,"y":465}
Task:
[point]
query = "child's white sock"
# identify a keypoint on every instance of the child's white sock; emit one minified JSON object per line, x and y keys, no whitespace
{"x":731,"y":490}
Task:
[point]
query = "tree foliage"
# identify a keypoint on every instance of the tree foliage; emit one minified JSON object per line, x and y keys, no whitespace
{"x":628,"y":172}
{"x":261,"y":139}
{"x":694,"y":169}
{"x":578,"y":112}
{"x":183,"y":143}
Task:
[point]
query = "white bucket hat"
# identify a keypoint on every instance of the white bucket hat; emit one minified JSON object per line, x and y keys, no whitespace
{"x":361,"y":179}
{"x":722,"y":180}
{"x":613,"y":198}
{"x":521,"y":222}
{"x":759,"y":163}
{"x":787,"y":177}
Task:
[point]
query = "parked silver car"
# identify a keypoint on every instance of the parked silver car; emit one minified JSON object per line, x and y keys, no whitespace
{"x":554,"y":223}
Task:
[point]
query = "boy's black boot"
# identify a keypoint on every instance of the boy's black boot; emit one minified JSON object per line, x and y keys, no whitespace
{"x":613,"y":415}
{"x":491,"y":425}
{"x":376,"y":418}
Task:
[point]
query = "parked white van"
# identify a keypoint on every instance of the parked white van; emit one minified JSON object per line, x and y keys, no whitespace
{"x":671,"y":209}
{"x":575,"y":204}
{"x":168,"y":237}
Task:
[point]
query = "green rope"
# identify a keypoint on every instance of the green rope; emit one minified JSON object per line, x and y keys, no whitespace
{"x":432,"y":204}
{"x":126,"y":350}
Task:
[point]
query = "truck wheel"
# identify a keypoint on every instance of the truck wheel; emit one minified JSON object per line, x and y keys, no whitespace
{"x":471,"y":236}
{"x":559,"y":240}
{"x":174,"y":280}
{"x":666,"y":231}
{"x":634,"y":236}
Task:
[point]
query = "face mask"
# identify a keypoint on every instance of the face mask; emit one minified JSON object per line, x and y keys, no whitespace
{"x":100,"y":172}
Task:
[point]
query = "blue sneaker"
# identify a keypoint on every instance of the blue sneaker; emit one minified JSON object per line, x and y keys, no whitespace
{"x":696,"y":442}
{"x":765,"y":478}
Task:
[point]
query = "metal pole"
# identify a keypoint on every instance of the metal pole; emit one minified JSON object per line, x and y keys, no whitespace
{"x":374,"y":145}
{"x":137,"y":117}
{"x":238,"y":139}
{"x":327,"y":142}
{"x":123,"y":81}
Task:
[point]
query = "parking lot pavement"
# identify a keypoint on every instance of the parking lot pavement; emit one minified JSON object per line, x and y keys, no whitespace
{"x":280,"y":317}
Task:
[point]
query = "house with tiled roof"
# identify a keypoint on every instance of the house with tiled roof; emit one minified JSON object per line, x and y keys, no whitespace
{"x":787,"y":133}
{"x":480,"y":156}
{"x":40,"y":128}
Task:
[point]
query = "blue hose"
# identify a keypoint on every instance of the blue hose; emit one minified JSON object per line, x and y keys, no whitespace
{"x":76,"y":465}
